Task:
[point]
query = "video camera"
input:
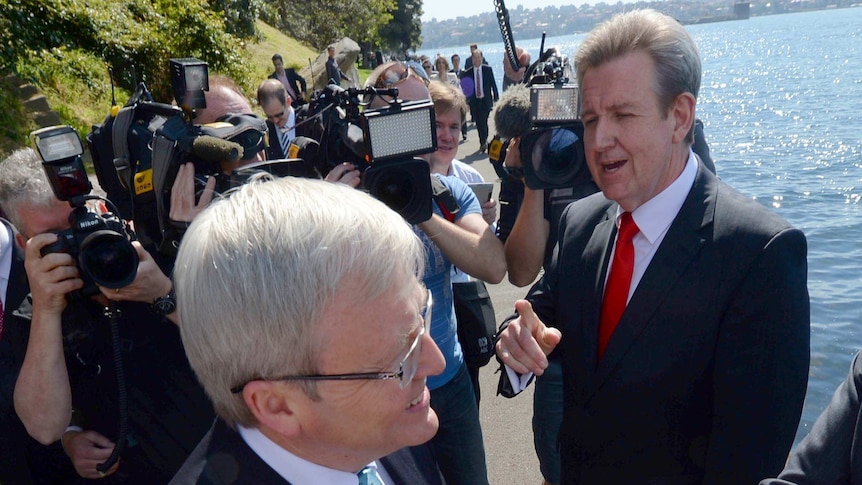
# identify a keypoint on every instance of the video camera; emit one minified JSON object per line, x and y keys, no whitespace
{"x":99,"y":243}
{"x":138,"y":150}
{"x":381,"y":143}
{"x":552,"y":147}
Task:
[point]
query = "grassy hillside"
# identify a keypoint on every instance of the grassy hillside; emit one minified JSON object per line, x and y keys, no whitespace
{"x":82,"y":103}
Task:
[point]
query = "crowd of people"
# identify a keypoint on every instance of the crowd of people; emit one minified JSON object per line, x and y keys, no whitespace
{"x":306,"y":333}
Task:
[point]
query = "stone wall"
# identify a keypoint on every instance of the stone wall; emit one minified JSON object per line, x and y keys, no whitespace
{"x":35,"y":103}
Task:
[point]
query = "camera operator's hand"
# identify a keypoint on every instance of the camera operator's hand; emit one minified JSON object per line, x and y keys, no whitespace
{"x":513,"y":154}
{"x":489,"y":211}
{"x":523,"y":60}
{"x":149,"y":284}
{"x":345,"y":173}
{"x":86,"y":449}
{"x":43,"y":396}
{"x":51,"y":276}
{"x":183,"y":207}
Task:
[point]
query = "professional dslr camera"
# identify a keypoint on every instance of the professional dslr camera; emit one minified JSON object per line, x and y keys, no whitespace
{"x":140,"y":147}
{"x":99,"y":243}
{"x":379,"y":142}
{"x":552,"y":147}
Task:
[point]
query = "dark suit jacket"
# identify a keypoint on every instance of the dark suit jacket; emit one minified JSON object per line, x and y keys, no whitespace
{"x":832,"y":451}
{"x":704,"y":378}
{"x":489,"y":84}
{"x":297,"y":82}
{"x":223,"y":457}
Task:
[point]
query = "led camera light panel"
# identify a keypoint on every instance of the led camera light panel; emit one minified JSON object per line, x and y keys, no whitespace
{"x":557,"y":104}
{"x":401,"y":134}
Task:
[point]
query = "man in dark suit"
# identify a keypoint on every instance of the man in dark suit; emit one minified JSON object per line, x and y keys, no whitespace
{"x":685,"y":333}
{"x":831,"y":451}
{"x":480,"y":87}
{"x":280,"y":118}
{"x":292,"y":82}
{"x":314,"y":354}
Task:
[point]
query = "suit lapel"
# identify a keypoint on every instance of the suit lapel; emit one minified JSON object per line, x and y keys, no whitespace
{"x":596,"y":259}
{"x":412,"y":466}
{"x":681,"y":244}
{"x":18,"y":287}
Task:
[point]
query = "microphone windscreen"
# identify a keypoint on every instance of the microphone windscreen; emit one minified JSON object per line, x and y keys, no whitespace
{"x":512,"y":112}
{"x":215,"y":150}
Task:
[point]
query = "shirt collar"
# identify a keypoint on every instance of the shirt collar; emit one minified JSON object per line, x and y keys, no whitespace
{"x":292,"y":468}
{"x":655,"y":215}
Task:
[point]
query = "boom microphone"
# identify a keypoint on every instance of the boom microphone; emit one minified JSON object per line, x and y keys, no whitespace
{"x":213,"y":149}
{"x":512,"y":112}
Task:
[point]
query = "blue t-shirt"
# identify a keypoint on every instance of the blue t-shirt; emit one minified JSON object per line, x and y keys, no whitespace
{"x":437,"y":279}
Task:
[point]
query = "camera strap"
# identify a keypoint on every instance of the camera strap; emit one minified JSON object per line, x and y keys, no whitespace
{"x":444,"y":199}
{"x":119,"y":134}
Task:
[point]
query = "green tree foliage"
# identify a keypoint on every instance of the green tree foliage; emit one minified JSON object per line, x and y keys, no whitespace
{"x":239,"y":15}
{"x":404,"y":33}
{"x":121,"y":34}
{"x":320,"y":22}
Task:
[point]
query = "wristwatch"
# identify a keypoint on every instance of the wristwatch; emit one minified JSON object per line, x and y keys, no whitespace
{"x":165,"y":305}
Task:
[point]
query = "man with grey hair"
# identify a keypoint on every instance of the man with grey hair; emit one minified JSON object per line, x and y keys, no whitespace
{"x":680,"y":306}
{"x":307,"y":325}
{"x":68,"y":359}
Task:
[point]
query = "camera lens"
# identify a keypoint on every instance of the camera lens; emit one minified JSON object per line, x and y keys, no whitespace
{"x":555,"y":155}
{"x":552,"y":157}
{"x":108,"y":258}
{"x":403,"y":185}
{"x":394,"y":190}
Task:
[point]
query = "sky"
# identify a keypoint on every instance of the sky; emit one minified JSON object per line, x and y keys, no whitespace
{"x":449,"y":9}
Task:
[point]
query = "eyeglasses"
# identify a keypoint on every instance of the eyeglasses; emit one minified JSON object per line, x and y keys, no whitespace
{"x":397,"y":73}
{"x":277,"y":115}
{"x":406,"y":368}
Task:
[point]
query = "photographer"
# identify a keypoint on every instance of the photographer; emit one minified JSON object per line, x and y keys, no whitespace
{"x":474,"y":310}
{"x":69,"y":362}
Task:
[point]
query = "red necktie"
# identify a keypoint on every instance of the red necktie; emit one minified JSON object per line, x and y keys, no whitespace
{"x":617,"y":287}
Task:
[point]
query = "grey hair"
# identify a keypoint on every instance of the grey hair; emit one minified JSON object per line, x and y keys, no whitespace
{"x":257,"y":269}
{"x":23,"y":183}
{"x":673,"y":51}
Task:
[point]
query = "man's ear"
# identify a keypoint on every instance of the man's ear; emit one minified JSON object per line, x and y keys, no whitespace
{"x":276,"y":406}
{"x":20,"y":240}
{"x":683,"y":113}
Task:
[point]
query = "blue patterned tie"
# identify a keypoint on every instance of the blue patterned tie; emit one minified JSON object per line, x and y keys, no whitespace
{"x":369,"y":476}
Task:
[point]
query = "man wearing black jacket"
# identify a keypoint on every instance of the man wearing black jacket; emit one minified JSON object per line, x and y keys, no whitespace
{"x":293,"y":82}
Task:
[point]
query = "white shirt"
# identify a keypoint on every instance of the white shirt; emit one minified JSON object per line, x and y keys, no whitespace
{"x":297,"y":470}
{"x":6,"y":243}
{"x":288,"y":133}
{"x":287,"y":87}
{"x":653,"y":218}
